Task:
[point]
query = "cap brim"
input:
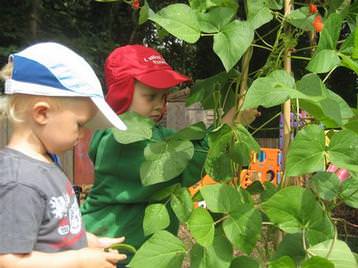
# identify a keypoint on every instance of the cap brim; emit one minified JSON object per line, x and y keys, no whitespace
{"x":162,"y":79}
{"x":105,"y":117}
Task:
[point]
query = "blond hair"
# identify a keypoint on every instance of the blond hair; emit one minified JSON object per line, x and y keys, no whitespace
{"x":5,"y":73}
{"x":14,"y":106}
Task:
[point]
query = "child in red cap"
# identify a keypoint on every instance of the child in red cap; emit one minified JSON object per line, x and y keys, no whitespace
{"x":137,"y":79}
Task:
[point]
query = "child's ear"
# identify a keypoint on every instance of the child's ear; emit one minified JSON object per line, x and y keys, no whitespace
{"x":40,"y":112}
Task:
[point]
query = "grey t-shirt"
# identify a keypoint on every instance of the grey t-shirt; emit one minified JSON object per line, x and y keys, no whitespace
{"x":38,"y":207}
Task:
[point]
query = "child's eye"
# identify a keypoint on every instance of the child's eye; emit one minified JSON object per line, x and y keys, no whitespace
{"x":151,"y":97}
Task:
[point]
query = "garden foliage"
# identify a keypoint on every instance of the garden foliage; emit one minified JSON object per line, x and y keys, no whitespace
{"x":270,"y":226}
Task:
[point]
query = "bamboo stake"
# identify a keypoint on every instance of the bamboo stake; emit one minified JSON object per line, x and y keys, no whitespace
{"x":286,"y":107}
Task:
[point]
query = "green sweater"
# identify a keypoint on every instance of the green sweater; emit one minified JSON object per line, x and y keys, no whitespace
{"x":116,"y":204}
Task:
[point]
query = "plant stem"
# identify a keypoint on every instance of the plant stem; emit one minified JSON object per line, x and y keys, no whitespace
{"x":263,"y":47}
{"x":300,"y":58}
{"x":264,"y":124}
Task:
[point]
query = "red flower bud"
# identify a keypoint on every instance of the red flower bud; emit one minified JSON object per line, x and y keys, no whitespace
{"x":313,"y":8}
{"x":318,"y":24}
{"x":135,"y":4}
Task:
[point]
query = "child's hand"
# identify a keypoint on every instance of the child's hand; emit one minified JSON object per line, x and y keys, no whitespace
{"x":248,"y":116}
{"x":102,"y":242}
{"x":98,"y":258}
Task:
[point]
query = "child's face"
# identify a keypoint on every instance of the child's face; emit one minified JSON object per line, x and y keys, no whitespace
{"x":65,"y":124}
{"x":148,"y":102}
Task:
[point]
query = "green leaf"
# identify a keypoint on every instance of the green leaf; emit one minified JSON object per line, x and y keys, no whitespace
{"x":243,"y":228}
{"x":165,"y":160}
{"x":156,"y":218}
{"x":343,"y":150}
{"x":317,"y":262}
{"x":349,"y":63}
{"x":221,"y":198}
{"x":232,"y":42}
{"x":306,"y":152}
{"x":324,"y":61}
{"x":272,"y":90}
{"x":325,"y":184}
{"x":218,"y":164}
{"x":355,"y":44}
{"x":349,"y":193}
{"x":201,"y":226}
{"x":322,"y":103}
{"x":295,"y":209}
{"x":244,"y":261}
{"x":335,"y":251}
{"x":196,"y":131}
{"x":352,"y":125}
{"x":283,"y":262}
{"x":274,"y":4}
{"x":107,"y":1}
{"x":144,"y":13}
{"x":270,"y":190}
{"x":138,"y":128}
{"x":331,"y":32}
{"x":202,"y":6}
{"x":301,"y":19}
{"x":164,"y":193}
{"x":258,"y":13}
{"x":214,"y":20}
{"x":179,"y":20}
{"x":203,"y":90}
{"x":255,"y":188}
{"x":243,"y":145}
{"x":292,"y":246}
{"x":182,"y":204}
{"x":161,"y":250}
{"x":218,"y":255}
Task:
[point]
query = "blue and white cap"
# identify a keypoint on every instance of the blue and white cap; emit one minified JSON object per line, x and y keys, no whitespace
{"x":51,"y":69}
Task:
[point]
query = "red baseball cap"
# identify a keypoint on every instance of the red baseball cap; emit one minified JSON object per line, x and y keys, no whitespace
{"x":136,"y":62}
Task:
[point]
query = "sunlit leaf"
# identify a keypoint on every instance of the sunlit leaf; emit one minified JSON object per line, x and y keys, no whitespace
{"x":156,"y":218}
{"x":165,"y":160}
{"x":179,"y":20}
{"x":138,"y":128}
{"x":201,"y":226}
{"x":232,"y":42}
{"x":161,"y":250}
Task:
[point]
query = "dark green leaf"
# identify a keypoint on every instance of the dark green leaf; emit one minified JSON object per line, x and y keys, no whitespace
{"x":218,"y":255}
{"x":243,"y":228}
{"x":295,"y":209}
{"x":350,"y":192}
{"x":325,"y":184}
{"x":244,"y":261}
{"x":182,"y":204}
{"x":317,"y":262}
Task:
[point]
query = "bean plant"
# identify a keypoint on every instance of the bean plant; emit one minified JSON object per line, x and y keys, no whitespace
{"x":265,"y":225}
